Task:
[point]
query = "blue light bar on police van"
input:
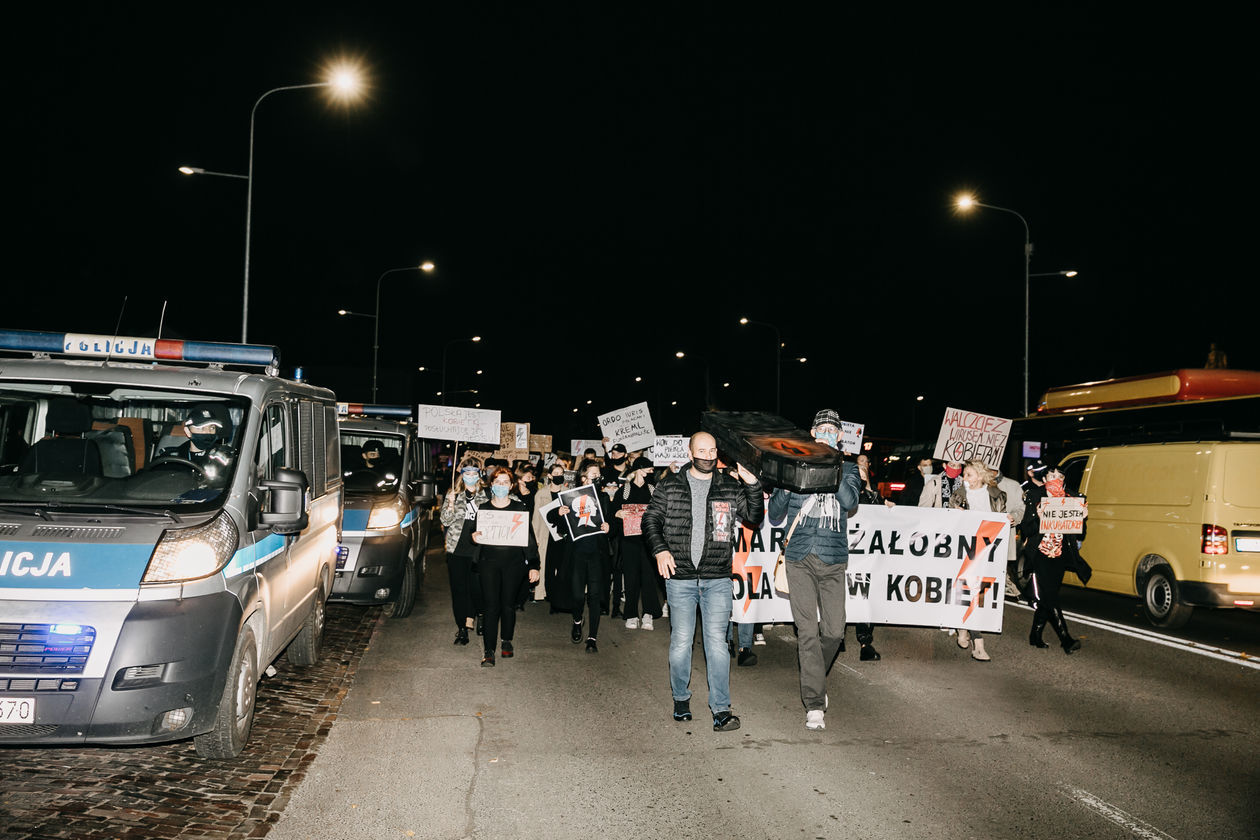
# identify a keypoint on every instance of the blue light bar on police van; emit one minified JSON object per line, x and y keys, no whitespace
{"x":144,"y":349}
{"x":367,"y":410}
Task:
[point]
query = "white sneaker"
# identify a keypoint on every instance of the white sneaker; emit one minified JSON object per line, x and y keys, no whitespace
{"x":665,"y":611}
{"x":814,"y":719}
{"x":632,"y":624}
{"x":647,"y":622}
{"x":759,"y":638}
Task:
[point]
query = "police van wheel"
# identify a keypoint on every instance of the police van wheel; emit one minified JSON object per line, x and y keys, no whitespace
{"x":402,"y":607}
{"x":304,"y":649}
{"x":235,"y":717}
{"x":1162,"y":601}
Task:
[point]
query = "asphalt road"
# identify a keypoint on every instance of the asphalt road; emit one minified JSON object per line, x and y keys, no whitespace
{"x":1127,"y":738}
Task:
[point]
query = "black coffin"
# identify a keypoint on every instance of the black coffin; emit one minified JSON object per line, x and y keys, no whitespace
{"x":780,"y":454}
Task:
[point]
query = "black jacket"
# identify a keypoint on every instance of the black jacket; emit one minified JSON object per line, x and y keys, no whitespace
{"x":1030,"y":528}
{"x":667,"y":522}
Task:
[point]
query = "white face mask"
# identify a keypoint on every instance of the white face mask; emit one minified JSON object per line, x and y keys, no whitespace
{"x":926,"y":469}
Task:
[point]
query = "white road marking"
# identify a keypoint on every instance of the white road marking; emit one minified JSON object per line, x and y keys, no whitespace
{"x":1110,"y":812}
{"x":1223,"y":654}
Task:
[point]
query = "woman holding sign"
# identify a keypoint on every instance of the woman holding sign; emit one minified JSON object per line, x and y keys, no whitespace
{"x":583,"y":514}
{"x":506,"y":554}
{"x":979,"y":492}
{"x":638,"y":567}
{"x":1049,"y":555}
{"x":458,"y":511}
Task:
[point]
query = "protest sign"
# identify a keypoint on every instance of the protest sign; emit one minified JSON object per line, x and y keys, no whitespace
{"x":851,"y":437}
{"x":930,"y":567}
{"x":503,"y":527}
{"x":585,"y":515}
{"x":570,"y":476}
{"x":671,"y":449}
{"x":966,"y":435}
{"x":451,"y":422}
{"x":577,"y":447}
{"x":630,"y":426}
{"x":546,"y":509}
{"x":540,"y":443}
{"x":632,"y":519}
{"x":1062,"y":515}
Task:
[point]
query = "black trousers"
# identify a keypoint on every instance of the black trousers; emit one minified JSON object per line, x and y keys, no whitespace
{"x":865,"y":633}
{"x":612,"y":575}
{"x":589,"y":580}
{"x":465,"y":590}
{"x":500,"y":583}
{"x":640,"y":573}
{"x":1047,"y":579}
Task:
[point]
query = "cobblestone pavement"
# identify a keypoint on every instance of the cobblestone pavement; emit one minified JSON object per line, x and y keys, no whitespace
{"x":166,"y":790}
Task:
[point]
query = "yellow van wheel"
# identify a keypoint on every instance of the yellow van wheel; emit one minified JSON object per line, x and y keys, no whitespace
{"x":1162,"y":601}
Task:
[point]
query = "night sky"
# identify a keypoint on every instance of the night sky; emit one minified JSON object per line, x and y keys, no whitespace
{"x":601,"y":186}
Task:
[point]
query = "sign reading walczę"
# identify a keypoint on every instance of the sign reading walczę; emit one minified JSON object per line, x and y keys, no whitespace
{"x":967,"y":434}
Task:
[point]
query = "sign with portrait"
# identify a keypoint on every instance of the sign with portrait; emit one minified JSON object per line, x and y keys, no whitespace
{"x":585,"y":516}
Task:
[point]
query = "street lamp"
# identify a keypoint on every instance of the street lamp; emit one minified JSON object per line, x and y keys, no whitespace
{"x":778,"y":357}
{"x":708,"y":396}
{"x":345,"y":82}
{"x":427,"y":267}
{"x":446,"y":347}
{"x":197,"y":170}
{"x":964,"y":204}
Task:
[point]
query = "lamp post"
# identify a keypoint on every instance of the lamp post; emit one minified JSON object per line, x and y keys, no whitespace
{"x":965,"y":203}
{"x":427,"y":267}
{"x":446,"y":347}
{"x":778,"y":357}
{"x":345,"y":81}
{"x":197,"y":170}
{"x":708,"y":395}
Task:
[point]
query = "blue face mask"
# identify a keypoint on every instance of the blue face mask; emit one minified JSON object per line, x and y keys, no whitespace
{"x":500,"y":491}
{"x":471,"y":479}
{"x":829,"y":438}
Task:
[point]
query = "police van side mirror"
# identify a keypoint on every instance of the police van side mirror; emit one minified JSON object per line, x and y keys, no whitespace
{"x":286,"y":513}
{"x":424,"y":489}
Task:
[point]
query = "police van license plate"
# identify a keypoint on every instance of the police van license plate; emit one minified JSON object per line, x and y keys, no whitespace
{"x":17,"y":709}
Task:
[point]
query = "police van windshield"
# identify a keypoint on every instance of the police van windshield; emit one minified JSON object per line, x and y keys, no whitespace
{"x":78,"y":445}
{"x":371,"y":461}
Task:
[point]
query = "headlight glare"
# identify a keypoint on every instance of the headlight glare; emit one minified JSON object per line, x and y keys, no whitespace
{"x":191,"y":553}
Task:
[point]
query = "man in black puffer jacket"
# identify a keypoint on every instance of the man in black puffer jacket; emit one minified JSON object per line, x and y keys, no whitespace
{"x":691,"y":527}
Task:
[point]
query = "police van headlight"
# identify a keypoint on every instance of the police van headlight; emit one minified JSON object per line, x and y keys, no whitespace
{"x":387,"y":516}
{"x":191,"y":553}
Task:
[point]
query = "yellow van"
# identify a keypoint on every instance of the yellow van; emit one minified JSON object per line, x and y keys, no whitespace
{"x":1177,"y":524}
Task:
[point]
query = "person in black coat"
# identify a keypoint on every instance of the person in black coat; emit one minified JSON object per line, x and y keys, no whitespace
{"x":588,"y":563}
{"x":1048,"y":556}
{"x":503,"y":567}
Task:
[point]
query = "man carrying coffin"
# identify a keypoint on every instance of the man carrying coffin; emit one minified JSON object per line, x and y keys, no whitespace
{"x":817,"y":558}
{"x":691,"y":526}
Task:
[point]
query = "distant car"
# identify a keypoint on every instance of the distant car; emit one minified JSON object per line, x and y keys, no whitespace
{"x":390,"y":493}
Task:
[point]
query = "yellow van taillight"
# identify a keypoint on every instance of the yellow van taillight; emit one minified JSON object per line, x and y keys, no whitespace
{"x":1215,"y":539}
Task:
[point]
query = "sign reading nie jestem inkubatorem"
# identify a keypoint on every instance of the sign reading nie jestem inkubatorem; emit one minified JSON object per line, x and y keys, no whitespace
{"x":967,"y":434}
{"x":671,"y":449}
{"x":451,"y":422}
{"x":1062,"y":515}
{"x":630,"y":426}
{"x":503,"y":527}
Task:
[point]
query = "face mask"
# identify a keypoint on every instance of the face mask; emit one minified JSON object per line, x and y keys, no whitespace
{"x":204,"y":442}
{"x":557,"y":480}
{"x":953,"y":472}
{"x":927,"y":470}
{"x":616,"y":459}
{"x":828,"y":438}
{"x":499,"y":491}
{"x":704,"y":466}
{"x":1054,"y":487}
{"x":471,"y":479}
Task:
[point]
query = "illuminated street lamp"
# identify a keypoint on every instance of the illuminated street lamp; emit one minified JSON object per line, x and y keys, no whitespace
{"x":197,"y":170}
{"x":964,"y":204}
{"x":778,"y":357}
{"x":427,"y":267}
{"x":446,"y":347}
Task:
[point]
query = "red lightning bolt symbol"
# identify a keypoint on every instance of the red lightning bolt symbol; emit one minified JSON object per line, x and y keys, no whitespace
{"x":985,"y":536}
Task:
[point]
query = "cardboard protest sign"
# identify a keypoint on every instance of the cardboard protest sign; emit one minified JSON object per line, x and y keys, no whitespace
{"x":577,"y":447}
{"x":451,"y":422}
{"x":630,"y":426}
{"x":513,"y":442}
{"x":585,"y":515}
{"x":671,"y":449}
{"x":503,"y":527}
{"x":556,"y":533}
{"x":930,"y":567}
{"x":851,"y":437}
{"x":1062,"y":514}
{"x":632,"y":519}
{"x":965,"y":435}
{"x":540,"y":443}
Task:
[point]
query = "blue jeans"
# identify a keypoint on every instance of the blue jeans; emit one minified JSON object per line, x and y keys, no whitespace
{"x":714,"y":599}
{"x":745,"y":632}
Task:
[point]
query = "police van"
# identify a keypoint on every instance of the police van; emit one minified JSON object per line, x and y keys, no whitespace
{"x":390,"y":491}
{"x":168,"y":527}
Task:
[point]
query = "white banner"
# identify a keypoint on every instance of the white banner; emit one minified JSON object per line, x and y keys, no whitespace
{"x":669,"y":450}
{"x":929,"y":567}
{"x":451,"y":422}
{"x":630,"y":426}
{"x":851,"y":437}
{"x":503,"y":527}
{"x":965,"y":435}
{"x":577,"y":447}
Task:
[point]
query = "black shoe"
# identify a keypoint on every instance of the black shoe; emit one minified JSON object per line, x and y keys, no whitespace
{"x":487,"y":661}
{"x":481,"y":624}
{"x":841,"y":649}
{"x":507,"y":652}
{"x":461,"y":636}
{"x":1060,"y":629}
{"x":591,"y":647}
{"x":746,"y":657}
{"x":576,"y":635}
{"x":869,"y":654}
{"x":1034,"y":635}
{"x":616,"y":613}
{"x":682,"y":710}
{"x":603,"y":610}
{"x":730,"y":645}
{"x":725,"y":722}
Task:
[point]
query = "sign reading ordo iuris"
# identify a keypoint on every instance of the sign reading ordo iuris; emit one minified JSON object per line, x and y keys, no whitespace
{"x":630,"y":426}
{"x":451,"y":422}
{"x":967,"y":434}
